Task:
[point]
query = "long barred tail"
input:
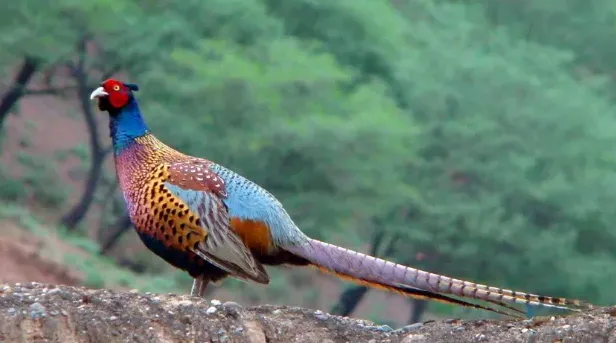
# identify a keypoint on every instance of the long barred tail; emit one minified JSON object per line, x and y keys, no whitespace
{"x":368,"y":269}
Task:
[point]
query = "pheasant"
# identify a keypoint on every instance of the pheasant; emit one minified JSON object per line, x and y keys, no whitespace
{"x":213,"y":223}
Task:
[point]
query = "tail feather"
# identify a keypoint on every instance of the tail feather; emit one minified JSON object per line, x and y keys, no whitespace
{"x":423,"y":294}
{"x":374,"y":270}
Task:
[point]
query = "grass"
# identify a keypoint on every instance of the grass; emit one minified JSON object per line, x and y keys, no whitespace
{"x":82,"y":255}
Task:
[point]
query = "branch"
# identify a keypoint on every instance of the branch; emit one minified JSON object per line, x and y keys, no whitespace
{"x":24,"y":76}
{"x":50,"y":91}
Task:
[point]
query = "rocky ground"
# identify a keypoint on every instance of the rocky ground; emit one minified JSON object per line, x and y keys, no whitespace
{"x":47,"y":313}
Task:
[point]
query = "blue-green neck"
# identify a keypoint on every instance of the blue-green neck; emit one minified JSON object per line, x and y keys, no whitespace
{"x":126,"y":125}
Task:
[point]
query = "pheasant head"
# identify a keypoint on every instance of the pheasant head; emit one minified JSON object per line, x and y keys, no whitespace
{"x":125,"y":120}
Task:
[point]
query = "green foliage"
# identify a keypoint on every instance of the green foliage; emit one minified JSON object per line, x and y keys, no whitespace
{"x":41,"y":180}
{"x":10,"y":190}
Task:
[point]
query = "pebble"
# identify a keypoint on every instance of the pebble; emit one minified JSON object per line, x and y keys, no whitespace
{"x":384,"y":328}
{"x":11,"y":310}
{"x":412,"y":327}
{"x":211,"y":310}
{"x":276,"y":312}
{"x":215,"y":302}
{"x":232,"y":308}
{"x":113,"y":318}
{"x":321,"y":316}
{"x":37,"y":310}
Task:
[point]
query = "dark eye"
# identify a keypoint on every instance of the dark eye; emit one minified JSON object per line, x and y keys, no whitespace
{"x":116,"y":88}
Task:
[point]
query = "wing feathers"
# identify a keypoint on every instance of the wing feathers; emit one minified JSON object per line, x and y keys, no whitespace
{"x":201,"y":190}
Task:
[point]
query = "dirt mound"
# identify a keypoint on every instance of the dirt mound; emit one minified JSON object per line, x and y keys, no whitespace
{"x":20,"y":261}
{"x":48,"y":313}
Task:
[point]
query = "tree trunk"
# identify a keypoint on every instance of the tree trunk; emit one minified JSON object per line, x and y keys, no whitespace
{"x":352,"y":296}
{"x":12,"y":96}
{"x":349,"y":299}
{"x":74,"y":216}
{"x":417,"y":310}
{"x":122,"y":225}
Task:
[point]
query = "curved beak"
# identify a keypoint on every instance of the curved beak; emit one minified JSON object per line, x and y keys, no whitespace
{"x":99,"y":92}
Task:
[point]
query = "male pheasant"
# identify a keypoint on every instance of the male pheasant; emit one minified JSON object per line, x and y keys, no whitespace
{"x":212,"y":223}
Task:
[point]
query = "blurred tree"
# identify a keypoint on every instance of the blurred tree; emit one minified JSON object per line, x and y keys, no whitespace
{"x":517,"y":184}
{"x":441,"y":62}
{"x":16,"y":89}
{"x":586,"y":28}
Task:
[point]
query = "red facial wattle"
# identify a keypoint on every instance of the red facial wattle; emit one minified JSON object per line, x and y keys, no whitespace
{"x":119,"y":98}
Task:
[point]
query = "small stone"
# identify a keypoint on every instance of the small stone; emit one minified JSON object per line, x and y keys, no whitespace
{"x":215,"y":302}
{"x":134,"y":291}
{"x":321,"y":317}
{"x":566,"y":327}
{"x":64,"y":313}
{"x":54,"y":313}
{"x":318,"y":312}
{"x":276,"y":312}
{"x":113,"y":318}
{"x":412,"y":327}
{"x":156,"y":299}
{"x":459,"y":328}
{"x":211,"y":310}
{"x":384,"y":328}
{"x":11,"y":310}
{"x":525,"y":330}
{"x":232,"y":308}
{"x":37,"y":310}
